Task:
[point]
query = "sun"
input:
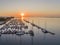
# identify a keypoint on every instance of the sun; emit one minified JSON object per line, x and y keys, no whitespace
{"x":22,"y":14}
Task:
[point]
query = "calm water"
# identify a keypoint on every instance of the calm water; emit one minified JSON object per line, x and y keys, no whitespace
{"x":39,"y":38}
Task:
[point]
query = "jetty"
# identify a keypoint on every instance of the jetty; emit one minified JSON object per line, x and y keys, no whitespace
{"x":42,"y":29}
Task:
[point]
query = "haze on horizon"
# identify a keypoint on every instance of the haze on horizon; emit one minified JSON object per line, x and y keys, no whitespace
{"x":45,"y":8}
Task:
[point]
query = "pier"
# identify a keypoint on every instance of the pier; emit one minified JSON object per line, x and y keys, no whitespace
{"x":42,"y":29}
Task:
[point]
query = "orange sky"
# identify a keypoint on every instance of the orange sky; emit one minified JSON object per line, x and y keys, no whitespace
{"x":44,"y":8}
{"x":17,"y":14}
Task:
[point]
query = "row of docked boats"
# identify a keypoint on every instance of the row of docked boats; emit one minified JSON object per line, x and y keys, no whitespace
{"x":15,"y":27}
{"x":21,"y":33}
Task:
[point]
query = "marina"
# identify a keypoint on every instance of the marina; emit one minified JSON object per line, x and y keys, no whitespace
{"x":15,"y":25}
{"x":18,"y":32}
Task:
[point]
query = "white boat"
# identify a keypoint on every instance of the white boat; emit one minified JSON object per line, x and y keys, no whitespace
{"x":20,"y":33}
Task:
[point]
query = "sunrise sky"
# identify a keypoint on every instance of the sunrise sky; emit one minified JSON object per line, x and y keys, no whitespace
{"x":48,"y":8}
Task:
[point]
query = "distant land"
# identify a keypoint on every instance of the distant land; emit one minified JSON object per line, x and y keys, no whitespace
{"x":33,"y":16}
{"x":3,"y":20}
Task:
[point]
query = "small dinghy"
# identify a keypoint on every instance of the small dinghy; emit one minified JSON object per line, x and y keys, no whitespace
{"x":31,"y":33}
